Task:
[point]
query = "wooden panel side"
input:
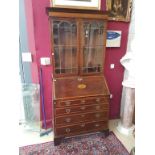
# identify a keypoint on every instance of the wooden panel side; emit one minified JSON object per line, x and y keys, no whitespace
{"x":78,"y":15}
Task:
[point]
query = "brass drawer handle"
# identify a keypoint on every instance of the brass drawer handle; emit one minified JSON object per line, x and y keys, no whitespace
{"x":68,"y":130}
{"x":98,"y":107}
{"x":68,"y":111}
{"x":98,"y":100}
{"x":83,"y":125}
{"x":83,"y":108}
{"x":83,"y":101}
{"x":97,"y":115}
{"x":68,"y":103}
{"x":82,"y":115}
{"x":97,"y":125}
{"x":68,"y":120}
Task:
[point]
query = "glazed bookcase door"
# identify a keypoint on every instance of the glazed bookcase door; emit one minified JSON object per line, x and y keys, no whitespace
{"x":92,"y":46}
{"x":64,"y":34}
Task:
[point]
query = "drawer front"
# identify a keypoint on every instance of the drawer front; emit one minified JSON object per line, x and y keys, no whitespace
{"x":81,"y":108}
{"x":83,"y":101}
{"x":70,"y":119}
{"x":82,"y":127}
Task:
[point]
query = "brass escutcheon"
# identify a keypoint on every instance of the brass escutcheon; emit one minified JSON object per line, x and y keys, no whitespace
{"x":67,"y":130}
{"x":68,"y":111}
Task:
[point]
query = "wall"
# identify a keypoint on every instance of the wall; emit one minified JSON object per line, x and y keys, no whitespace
{"x":39,"y":44}
{"x":115,"y":77}
{"x":40,"y":29}
{"x":25,"y":69}
{"x":29,"y":12}
{"x":113,"y":56}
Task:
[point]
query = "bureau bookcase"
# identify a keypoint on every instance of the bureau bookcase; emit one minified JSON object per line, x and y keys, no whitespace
{"x":80,"y":92}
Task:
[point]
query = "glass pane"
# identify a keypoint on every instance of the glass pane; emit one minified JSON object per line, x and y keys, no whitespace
{"x":64,"y":32}
{"x":31,"y":105}
{"x":92,"y":59}
{"x":93,"y":33}
{"x":65,"y":59}
{"x":93,"y":46}
{"x":65,"y":46}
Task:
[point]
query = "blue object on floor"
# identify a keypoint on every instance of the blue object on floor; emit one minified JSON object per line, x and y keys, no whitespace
{"x":42,"y":99}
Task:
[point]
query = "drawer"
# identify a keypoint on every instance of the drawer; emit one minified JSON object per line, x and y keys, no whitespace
{"x":70,"y":119}
{"x":81,"y":108}
{"x":82,"y":127}
{"x":82,"y":101}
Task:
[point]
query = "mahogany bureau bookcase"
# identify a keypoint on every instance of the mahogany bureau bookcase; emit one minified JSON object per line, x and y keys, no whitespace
{"x":80,"y":92}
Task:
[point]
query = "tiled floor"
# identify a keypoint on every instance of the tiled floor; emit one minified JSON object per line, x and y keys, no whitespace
{"x":28,"y":138}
